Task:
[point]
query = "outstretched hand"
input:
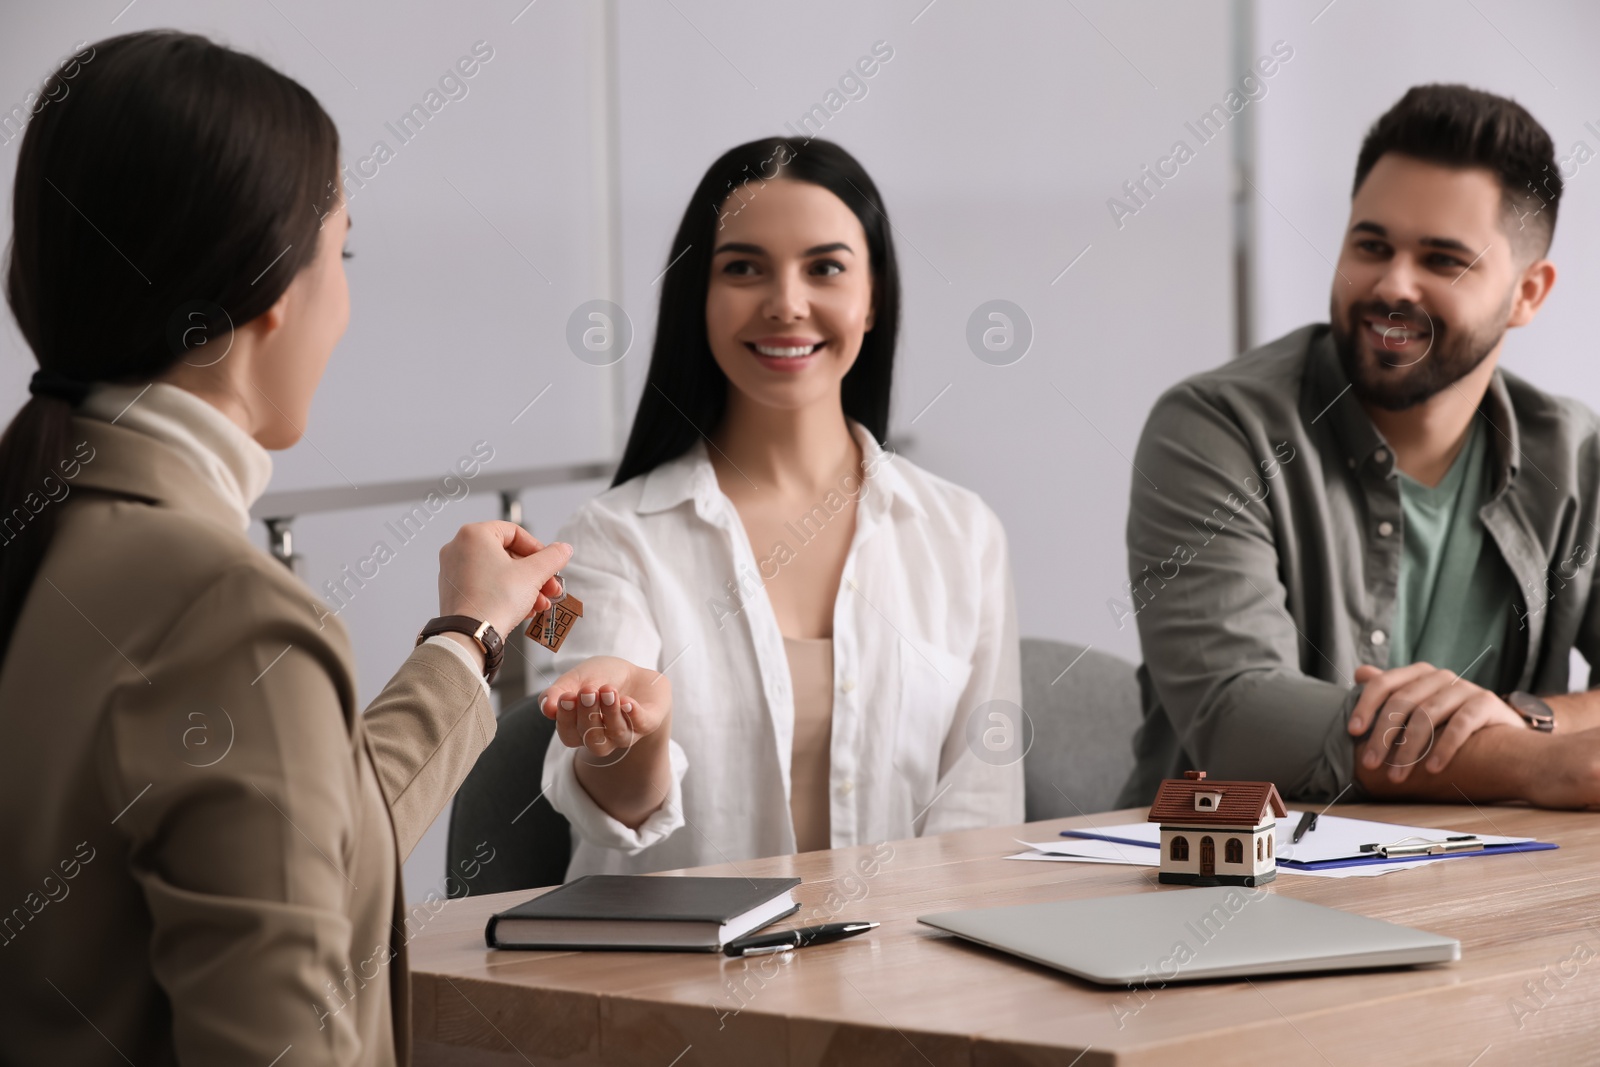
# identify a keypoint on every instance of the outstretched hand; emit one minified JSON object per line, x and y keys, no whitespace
{"x":606,"y":704}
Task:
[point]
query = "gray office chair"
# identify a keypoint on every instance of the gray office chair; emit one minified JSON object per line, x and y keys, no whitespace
{"x":500,"y":807}
{"x":1083,"y":723}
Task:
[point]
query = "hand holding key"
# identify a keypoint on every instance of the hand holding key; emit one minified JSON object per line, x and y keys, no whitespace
{"x":552,"y":624}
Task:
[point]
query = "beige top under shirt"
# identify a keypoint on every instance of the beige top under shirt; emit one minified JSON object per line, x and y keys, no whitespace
{"x":811,"y":671}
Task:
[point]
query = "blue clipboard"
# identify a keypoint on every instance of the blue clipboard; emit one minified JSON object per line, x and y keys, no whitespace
{"x":1368,"y":861}
{"x":1350,"y":861}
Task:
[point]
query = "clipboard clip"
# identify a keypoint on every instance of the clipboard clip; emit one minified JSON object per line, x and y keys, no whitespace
{"x":1421,"y":846}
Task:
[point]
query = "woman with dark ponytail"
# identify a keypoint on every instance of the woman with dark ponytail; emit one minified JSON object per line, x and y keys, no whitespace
{"x":202,"y":831}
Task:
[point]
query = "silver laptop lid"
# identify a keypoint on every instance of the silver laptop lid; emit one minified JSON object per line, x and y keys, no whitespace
{"x":1175,"y":935}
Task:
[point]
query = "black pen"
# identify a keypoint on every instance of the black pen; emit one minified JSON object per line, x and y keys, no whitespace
{"x":762,"y":944}
{"x":1308,"y":821}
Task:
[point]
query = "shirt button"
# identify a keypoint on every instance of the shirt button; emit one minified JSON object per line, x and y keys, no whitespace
{"x":1385,"y":529}
{"x":848,"y":685}
{"x":1379,"y":637}
{"x":846,"y":786}
{"x":1381,"y":455}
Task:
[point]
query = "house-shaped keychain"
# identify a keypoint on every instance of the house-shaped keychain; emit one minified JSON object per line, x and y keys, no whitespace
{"x":1217,"y":833}
{"x":551,"y":626}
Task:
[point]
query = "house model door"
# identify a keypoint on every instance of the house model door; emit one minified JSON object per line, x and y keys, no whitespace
{"x":1208,"y":857}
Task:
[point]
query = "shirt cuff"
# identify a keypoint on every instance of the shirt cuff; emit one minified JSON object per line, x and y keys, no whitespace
{"x":463,"y":655}
{"x":567,"y":795}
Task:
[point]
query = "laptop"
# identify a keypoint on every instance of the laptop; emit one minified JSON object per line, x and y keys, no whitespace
{"x":1179,"y":935}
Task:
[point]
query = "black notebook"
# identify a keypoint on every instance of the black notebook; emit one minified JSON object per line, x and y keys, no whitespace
{"x":644,"y":912}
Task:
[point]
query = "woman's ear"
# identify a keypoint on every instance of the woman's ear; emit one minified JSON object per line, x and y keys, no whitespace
{"x":271,"y":320}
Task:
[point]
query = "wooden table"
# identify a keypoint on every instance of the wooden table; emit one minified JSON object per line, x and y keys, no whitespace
{"x":1526,"y":991}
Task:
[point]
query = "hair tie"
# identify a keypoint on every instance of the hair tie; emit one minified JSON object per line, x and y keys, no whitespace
{"x":52,"y":383}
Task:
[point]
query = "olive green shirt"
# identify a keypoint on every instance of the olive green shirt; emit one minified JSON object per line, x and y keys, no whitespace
{"x":1264,"y":560}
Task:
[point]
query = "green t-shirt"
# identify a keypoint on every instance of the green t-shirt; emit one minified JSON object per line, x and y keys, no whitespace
{"x":1456,"y":594}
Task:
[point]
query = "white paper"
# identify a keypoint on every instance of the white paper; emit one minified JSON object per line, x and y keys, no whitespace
{"x":1366,"y":870}
{"x":1104,"y":851}
{"x":1148,"y":832}
{"x":1337,"y":838}
{"x":1052,"y":858}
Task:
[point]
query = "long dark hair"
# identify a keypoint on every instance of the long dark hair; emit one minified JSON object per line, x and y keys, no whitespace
{"x":176,"y":183}
{"x":685,"y":392}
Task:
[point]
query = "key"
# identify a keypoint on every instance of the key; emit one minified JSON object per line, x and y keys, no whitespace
{"x":551,"y":626}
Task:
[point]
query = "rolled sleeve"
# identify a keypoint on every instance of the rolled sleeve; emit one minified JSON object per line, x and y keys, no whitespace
{"x":1277,"y":726}
{"x":606,"y":574}
{"x":567,"y":795}
{"x":1220,"y":644}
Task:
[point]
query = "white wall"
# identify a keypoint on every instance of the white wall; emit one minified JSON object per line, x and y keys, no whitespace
{"x":1357,"y":61}
{"x":996,"y":133}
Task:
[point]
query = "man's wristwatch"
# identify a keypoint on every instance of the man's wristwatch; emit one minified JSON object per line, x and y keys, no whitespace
{"x":1534,"y":711}
{"x":494,"y":649}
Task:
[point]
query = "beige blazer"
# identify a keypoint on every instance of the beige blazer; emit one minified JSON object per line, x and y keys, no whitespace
{"x":200,"y":831}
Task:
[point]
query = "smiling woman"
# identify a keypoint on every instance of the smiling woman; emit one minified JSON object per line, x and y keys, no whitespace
{"x":683,"y":368}
{"x":823,"y":701}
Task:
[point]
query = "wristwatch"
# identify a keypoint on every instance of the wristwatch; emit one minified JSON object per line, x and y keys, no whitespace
{"x":494,"y":649}
{"x":1535,"y":712}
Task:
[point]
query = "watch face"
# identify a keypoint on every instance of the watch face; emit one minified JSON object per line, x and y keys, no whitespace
{"x":1538,"y":714}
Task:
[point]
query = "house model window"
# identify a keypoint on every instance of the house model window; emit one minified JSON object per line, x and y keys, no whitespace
{"x":1207,"y":801}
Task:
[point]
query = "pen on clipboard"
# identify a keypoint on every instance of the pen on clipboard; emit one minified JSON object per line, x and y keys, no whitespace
{"x":1415,"y":847}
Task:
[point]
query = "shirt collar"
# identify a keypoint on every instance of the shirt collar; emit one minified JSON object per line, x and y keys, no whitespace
{"x":1507,"y":439}
{"x":691,"y":477}
{"x":1328,"y":397}
{"x":886,"y":479}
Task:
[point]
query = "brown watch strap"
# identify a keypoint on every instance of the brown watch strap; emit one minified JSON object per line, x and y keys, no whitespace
{"x":494,"y":649}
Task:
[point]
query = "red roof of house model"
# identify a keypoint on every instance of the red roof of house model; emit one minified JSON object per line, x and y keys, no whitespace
{"x":1239,"y":803}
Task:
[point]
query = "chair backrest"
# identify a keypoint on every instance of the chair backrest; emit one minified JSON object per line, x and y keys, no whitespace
{"x":500,"y":807}
{"x":1084,"y":706}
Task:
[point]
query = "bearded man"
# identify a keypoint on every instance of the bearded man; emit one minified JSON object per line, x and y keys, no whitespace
{"x":1361,"y":556}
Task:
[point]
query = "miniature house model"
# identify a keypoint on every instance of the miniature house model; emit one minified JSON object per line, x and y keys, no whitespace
{"x":1217,"y":833}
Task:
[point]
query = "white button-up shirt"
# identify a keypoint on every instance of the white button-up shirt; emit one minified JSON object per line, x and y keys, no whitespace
{"x":924,"y":633}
